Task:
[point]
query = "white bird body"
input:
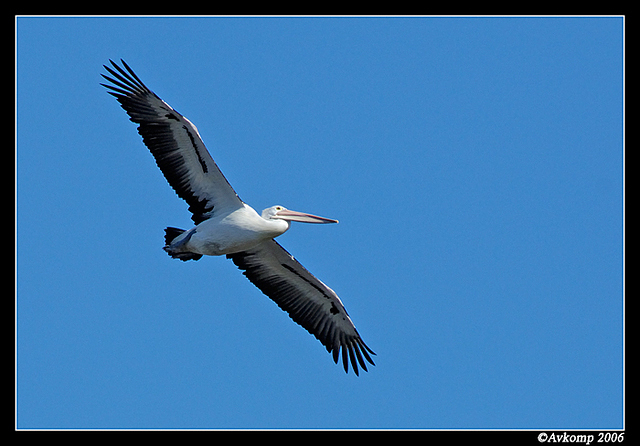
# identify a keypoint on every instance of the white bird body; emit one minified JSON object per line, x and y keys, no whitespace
{"x":228,"y":233}
{"x":225,"y":225}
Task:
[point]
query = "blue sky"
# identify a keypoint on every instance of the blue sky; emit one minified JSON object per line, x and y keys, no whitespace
{"x":476,"y":168}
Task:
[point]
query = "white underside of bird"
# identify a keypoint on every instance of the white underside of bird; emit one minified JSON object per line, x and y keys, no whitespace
{"x":236,"y":230}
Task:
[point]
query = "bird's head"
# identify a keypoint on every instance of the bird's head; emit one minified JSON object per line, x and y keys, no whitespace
{"x":282,"y":213}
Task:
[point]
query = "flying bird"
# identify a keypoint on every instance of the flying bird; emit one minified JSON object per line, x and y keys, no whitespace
{"x":225,"y":225}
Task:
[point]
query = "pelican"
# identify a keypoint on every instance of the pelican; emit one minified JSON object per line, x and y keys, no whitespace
{"x":225,"y":225}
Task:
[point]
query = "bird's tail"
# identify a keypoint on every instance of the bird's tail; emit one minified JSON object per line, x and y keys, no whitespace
{"x":170,"y":235}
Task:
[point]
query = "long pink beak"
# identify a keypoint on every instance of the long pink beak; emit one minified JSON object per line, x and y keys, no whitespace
{"x":286,"y":214}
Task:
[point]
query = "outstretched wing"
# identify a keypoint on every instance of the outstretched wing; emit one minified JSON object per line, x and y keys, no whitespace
{"x":308,"y":301}
{"x":175,"y":144}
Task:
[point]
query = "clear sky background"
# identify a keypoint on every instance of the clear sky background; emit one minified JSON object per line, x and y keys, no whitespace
{"x":476,"y":168}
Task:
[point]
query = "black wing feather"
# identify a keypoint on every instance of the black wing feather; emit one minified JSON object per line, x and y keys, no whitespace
{"x":307,"y":300}
{"x":175,"y":144}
